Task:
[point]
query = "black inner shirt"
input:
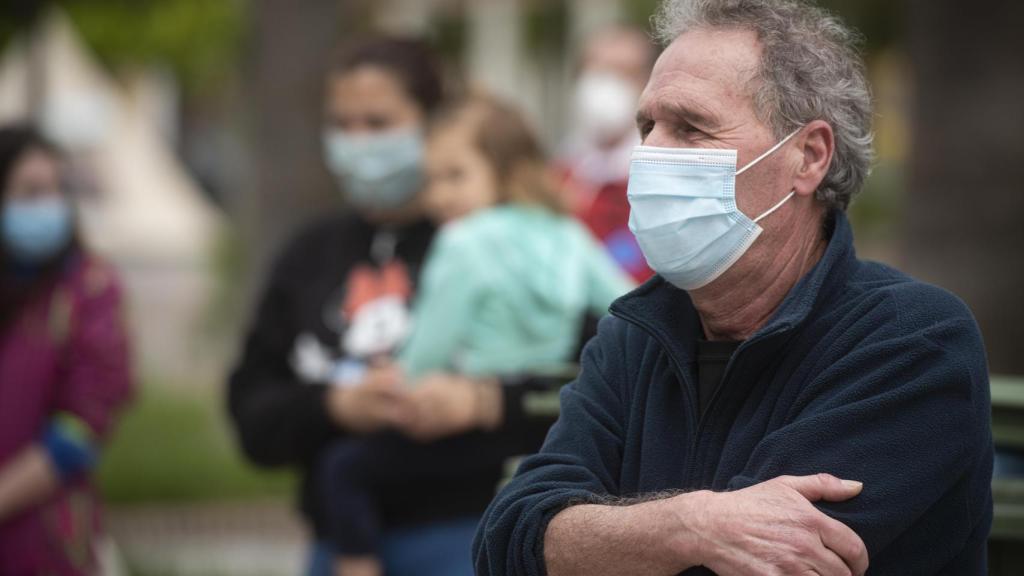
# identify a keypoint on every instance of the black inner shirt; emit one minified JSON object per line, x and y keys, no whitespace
{"x":712,"y":358}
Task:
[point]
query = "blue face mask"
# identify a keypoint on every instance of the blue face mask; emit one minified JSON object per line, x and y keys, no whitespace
{"x":376,"y":171}
{"x":683,"y":211}
{"x":37,"y":230}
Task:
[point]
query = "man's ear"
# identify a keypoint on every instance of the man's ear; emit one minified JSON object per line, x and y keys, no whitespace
{"x":816,"y":144}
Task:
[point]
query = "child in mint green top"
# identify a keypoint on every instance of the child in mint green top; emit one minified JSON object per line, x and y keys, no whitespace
{"x":510,"y":276}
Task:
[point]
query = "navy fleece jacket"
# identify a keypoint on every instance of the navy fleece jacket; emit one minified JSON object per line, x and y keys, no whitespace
{"x":862,"y":372}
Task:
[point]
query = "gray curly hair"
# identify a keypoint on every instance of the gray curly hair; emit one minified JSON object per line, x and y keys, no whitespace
{"x":810,"y":69}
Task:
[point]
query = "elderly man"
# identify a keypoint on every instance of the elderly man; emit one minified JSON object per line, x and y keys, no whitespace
{"x":768,"y":404}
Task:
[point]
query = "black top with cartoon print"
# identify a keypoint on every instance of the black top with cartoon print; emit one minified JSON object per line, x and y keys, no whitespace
{"x":338,"y":296}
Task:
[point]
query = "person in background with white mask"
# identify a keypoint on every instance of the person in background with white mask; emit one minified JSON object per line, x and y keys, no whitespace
{"x":314,"y":368}
{"x":769,"y":403}
{"x":594,"y":164}
{"x":65,"y":367}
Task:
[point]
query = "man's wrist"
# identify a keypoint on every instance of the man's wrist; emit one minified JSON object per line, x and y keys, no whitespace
{"x":656,"y":536}
{"x":687,"y":518}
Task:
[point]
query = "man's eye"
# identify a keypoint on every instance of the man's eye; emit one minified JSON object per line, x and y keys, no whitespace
{"x":689,"y":130}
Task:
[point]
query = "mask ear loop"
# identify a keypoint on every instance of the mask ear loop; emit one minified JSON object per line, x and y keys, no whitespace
{"x":769,"y":152}
{"x":774,"y":208}
{"x":762,"y":157}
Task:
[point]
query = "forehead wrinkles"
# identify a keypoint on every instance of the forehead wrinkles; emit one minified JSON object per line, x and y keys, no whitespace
{"x":711,"y":66}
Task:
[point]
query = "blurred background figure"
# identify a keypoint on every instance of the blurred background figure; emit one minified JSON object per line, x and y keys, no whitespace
{"x":64,"y":367}
{"x":614,"y":66}
{"x":338,"y":297}
{"x":315,"y":377}
{"x":504,"y":291}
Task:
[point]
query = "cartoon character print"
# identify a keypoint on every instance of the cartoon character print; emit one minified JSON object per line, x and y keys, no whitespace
{"x":376,"y":310}
{"x":371,"y":314}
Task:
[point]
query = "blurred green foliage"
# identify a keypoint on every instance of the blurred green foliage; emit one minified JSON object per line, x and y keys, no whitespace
{"x":174,"y":445}
{"x":449,"y":35}
{"x":546,"y":27}
{"x":639,"y":12}
{"x":199,"y":40}
{"x":877,"y":210}
{"x":881,"y":22}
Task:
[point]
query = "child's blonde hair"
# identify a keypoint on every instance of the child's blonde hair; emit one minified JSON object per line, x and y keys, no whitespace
{"x":500,"y":133}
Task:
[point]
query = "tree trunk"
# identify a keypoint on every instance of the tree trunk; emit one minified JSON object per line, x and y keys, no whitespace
{"x":291,"y":46}
{"x":964,"y":228}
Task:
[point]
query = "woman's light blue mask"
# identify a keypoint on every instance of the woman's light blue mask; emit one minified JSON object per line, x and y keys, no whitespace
{"x":34,"y":231}
{"x":376,"y":171}
{"x":683,"y":211}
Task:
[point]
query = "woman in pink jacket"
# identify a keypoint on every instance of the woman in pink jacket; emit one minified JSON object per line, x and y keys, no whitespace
{"x":64,"y":367}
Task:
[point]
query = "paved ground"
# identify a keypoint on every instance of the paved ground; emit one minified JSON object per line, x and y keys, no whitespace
{"x":217,"y":539}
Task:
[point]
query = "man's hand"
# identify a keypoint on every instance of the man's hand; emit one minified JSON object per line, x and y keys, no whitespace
{"x":772,"y":528}
{"x":378,"y":402}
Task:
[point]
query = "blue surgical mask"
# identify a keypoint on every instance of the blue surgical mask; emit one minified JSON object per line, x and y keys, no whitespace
{"x":34,"y":231}
{"x":376,"y":171}
{"x":683,"y":211}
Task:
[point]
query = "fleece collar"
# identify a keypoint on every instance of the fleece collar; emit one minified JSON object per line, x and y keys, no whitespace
{"x":667,"y":312}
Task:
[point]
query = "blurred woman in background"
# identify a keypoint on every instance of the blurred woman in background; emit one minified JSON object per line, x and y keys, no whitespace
{"x":506,"y":285}
{"x":64,"y":367}
{"x":337,"y":305}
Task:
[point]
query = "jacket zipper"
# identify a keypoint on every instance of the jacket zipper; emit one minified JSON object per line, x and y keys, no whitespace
{"x":694,"y":409}
{"x":701,"y":417}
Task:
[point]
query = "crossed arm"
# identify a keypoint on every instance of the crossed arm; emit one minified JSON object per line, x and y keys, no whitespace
{"x":768,"y":528}
{"x":918,"y":426}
